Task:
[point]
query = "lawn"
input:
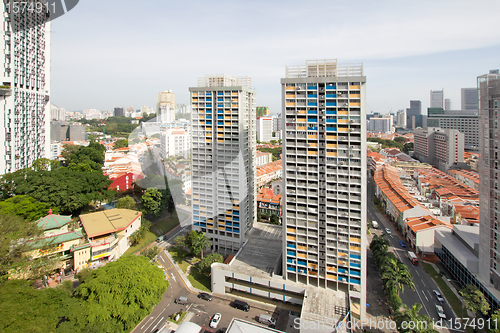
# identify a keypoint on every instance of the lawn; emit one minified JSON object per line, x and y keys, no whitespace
{"x":181,"y":318}
{"x":178,"y":255}
{"x":166,"y":224}
{"x":450,"y":296}
{"x":198,"y":280}
{"x":148,"y":239}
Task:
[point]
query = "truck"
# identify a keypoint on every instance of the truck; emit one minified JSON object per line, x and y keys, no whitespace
{"x":413,"y":258}
{"x":375,"y":224}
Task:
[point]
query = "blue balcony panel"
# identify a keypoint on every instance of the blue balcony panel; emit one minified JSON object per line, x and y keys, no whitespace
{"x":331,"y":103}
{"x":331,"y":129}
{"x":291,"y":269}
{"x":291,"y":246}
{"x":331,"y":87}
{"x":331,"y":121}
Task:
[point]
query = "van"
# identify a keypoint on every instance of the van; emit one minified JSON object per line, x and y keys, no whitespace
{"x":181,"y":300}
{"x":241,"y":305}
{"x":375,"y":224}
{"x":267,"y":320}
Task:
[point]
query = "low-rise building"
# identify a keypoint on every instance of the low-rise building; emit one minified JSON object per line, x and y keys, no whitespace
{"x":262,"y":158}
{"x":466,"y":177}
{"x":109,"y":231}
{"x":269,"y":203}
{"x":268,"y":172}
{"x":419,"y":232}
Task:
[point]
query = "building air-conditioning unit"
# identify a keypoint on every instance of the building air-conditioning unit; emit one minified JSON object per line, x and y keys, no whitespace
{"x":346,"y":104}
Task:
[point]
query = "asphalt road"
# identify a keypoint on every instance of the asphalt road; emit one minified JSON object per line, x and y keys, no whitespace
{"x":424,"y":284}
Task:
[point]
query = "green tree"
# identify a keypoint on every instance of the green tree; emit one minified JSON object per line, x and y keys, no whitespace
{"x":126,"y":202}
{"x":495,"y":318}
{"x":197,"y":241}
{"x":91,"y":156}
{"x":273,"y":142}
{"x":205,"y":263}
{"x":121,"y":143}
{"x":26,"y":207}
{"x":275,"y":219}
{"x":152,"y":202}
{"x":400,"y":139}
{"x":422,"y":323}
{"x":140,"y":233}
{"x":181,"y":241}
{"x":474,"y":299}
{"x":151,"y":252}
{"x":397,"y":275}
{"x":45,"y":164}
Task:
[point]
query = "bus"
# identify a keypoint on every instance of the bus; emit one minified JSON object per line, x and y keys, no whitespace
{"x":413,"y":258}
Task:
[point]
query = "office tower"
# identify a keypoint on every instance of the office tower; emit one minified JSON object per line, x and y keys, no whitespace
{"x":324,"y":155}
{"x":262,"y":111}
{"x":448,"y":104}
{"x":381,"y":125}
{"x":401,"y":118}
{"x":24,"y":89}
{"x":437,"y":98}
{"x":175,"y":142}
{"x":470,"y":99}
{"x":442,"y":148}
{"x":264,"y":129}
{"x":412,"y":112}
{"x":466,"y":121}
{"x":489,"y":172}
{"x":223,"y":159}
{"x":119,"y":112}
{"x":165,"y":107}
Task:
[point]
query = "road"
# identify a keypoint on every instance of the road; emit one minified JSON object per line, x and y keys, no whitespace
{"x":424,"y":284}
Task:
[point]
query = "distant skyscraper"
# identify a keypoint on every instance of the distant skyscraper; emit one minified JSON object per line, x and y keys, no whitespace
{"x":437,"y":98}
{"x":223,"y":160}
{"x":119,"y":112}
{"x":25,"y":89}
{"x":466,"y":121}
{"x":324,"y":155}
{"x":381,"y":125}
{"x":165,"y":106}
{"x":489,"y":173}
{"x":448,"y":104}
{"x":470,"y":99}
{"x":264,"y":129}
{"x":401,"y":118}
{"x":412,"y":114}
{"x":145,"y":110}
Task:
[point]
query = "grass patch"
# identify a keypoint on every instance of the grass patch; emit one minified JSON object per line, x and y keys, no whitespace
{"x":178,"y":255}
{"x":148,"y":239}
{"x":166,"y":224}
{"x":450,"y":296}
{"x":199,"y":280}
{"x":181,"y":318}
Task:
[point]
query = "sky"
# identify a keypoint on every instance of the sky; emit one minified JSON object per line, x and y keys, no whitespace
{"x":122,"y":53}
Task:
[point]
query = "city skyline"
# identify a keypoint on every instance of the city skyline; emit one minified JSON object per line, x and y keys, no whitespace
{"x":430,"y":49}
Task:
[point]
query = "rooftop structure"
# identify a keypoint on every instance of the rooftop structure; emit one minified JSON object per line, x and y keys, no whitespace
{"x":108,"y":221}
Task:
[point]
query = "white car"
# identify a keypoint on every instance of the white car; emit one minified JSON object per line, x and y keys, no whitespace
{"x":215,"y":320}
{"x":438,"y":296}
{"x":440,"y":311}
{"x":388,"y":231}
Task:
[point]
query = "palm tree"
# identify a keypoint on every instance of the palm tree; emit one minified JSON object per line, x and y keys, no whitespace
{"x":199,"y":241}
{"x":421,"y":323}
{"x":396,"y":274}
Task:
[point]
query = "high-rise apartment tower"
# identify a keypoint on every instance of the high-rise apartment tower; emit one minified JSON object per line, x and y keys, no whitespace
{"x":324,"y":155}
{"x":25,"y":88}
{"x":223,"y":159}
{"x":489,"y":173}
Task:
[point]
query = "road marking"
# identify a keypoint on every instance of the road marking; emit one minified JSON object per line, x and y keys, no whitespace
{"x":158,"y":323}
{"x":425,"y":296}
{"x":423,"y":283}
{"x":397,"y":254}
{"x":423,"y":303}
{"x":146,"y":322}
{"x":416,"y":271}
{"x":162,"y":259}
{"x":173,"y":277}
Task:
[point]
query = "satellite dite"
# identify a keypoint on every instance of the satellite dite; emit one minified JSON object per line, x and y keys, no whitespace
{"x":36,"y":12}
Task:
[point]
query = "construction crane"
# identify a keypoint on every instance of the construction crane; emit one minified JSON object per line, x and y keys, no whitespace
{"x":103,"y":123}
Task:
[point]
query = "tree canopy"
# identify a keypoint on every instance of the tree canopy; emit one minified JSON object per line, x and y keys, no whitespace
{"x":205,"y":264}
{"x":126,"y":202}
{"x":26,"y":207}
{"x":474,"y":299}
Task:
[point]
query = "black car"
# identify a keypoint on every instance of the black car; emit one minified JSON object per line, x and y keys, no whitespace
{"x":205,"y":296}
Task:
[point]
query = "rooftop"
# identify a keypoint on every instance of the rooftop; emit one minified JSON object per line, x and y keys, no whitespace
{"x":108,"y":221}
{"x":53,"y":221}
{"x":243,"y":326}
{"x":425,"y":222}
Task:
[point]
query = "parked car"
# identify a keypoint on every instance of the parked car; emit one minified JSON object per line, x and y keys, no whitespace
{"x":241,"y":305}
{"x":205,"y":296}
{"x":402,"y":243}
{"x":388,"y":231}
{"x":267,"y":320}
{"x":215,"y":320}
{"x":181,"y":300}
{"x":438,"y":296}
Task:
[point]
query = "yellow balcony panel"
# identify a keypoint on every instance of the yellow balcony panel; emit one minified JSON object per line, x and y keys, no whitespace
{"x":221,"y":141}
{"x":236,"y":94}
{"x":221,"y":223}
{"x":331,"y":137}
{"x":355,"y":248}
{"x":332,"y":269}
{"x":343,"y":121}
{"x":234,"y":100}
{"x":208,"y":140}
{"x":331,"y":153}
{"x":196,"y":196}
{"x":291,"y":238}
{"x":236,"y":207}
{"x":291,"y":229}
{"x":354,"y":95}
{"x":301,"y":120}
{"x":227,"y":111}
{"x":290,"y":103}
{"x":342,"y":254}
{"x":302,"y":112}
{"x":222,"y":228}
{"x":290,"y":88}
{"x":300,"y":247}
{"x":234,"y":105}
{"x":229,"y":212}
{"x":301,"y":255}
{"x":342,"y":129}
{"x":203,"y":214}
{"x":331,"y":276}
{"x":208,"y":128}
{"x":312,"y":265}
{"x":355,"y":104}
{"x":301,"y":128}
{"x":202,"y":122}
{"x":312,"y":152}
{"x":354,"y":87}
{"x":290,"y":96}
{"x":312,"y":136}
{"x":208,"y":134}
{"x":210,"y":220}
{"x":201,"y":111}
{"x":209,"y":226}
{"x":229,"y":218}
{"x":331,"y":145}
{"x":203,"y":208}
{"x":202,"y":117}
{"x":227,"y":117}
{"x":354,"y":239}
{"x":313,"y":144}
{"x":227,"y":123}
{"x":220,"y":135}
{"x":220,"y":129}
{"x":194,"y":94}
{"x":343,"y":112}
{"x":196,"y":202}
{"x":236,"y":202}
{"x":312,"y":273}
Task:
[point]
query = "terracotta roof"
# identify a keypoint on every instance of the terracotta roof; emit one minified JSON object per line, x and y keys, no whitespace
{"x":425,"y":222}
{"x":468,"y":212}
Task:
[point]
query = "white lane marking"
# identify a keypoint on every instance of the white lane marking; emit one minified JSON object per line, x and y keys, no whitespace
{"x":397,"y":254}
{"x":158,"y":323}
{"x":173,"y":277}
{"x":423,"y":293}
{"x":146,"y":322}
{"x":416,"y":271}
{"x":162,"y":258}
{"x":422,"y":302}
{"x":423,"y":283}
